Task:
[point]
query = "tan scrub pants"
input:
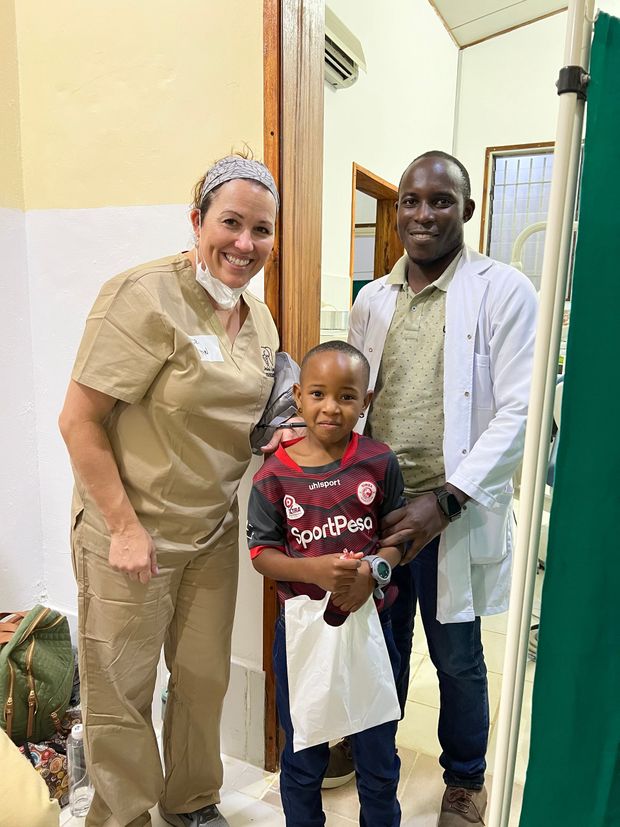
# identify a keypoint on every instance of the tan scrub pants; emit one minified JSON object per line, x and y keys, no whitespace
{"x":188,"y":608}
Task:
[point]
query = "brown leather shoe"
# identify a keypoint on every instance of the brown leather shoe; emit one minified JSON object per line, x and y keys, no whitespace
{"x":460,"y":807}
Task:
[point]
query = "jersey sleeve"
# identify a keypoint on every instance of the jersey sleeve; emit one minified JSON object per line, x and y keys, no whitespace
{"x":265,"y":527}
{"x":394,"y":487}
{"x":125,"y":343}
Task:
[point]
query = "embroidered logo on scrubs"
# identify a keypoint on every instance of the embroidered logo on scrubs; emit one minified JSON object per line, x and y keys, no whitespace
{"x":293,"y":510}
{"x":366,"y":492}
{"x":208,"y":348}
{"x":268,"y":360}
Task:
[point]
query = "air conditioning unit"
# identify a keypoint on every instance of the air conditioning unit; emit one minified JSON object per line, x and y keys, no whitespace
{"x":343,"y":53}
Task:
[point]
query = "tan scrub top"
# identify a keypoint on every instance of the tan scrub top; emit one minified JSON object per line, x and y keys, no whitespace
{"x":188,"y":400}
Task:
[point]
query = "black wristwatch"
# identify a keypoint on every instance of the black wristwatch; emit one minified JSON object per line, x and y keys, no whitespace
{"x":448,"y":503}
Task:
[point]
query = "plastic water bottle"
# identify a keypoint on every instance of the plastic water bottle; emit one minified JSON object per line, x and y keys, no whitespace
{"x":80,"y":789}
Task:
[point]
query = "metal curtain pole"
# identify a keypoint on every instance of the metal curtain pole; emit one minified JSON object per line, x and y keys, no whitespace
{"x":571,"y":88}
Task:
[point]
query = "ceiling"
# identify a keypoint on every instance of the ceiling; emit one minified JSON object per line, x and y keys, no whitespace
{"x":470,"y":21}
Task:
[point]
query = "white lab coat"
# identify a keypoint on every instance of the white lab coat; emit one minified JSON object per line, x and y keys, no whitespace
{"x":488,"y":351}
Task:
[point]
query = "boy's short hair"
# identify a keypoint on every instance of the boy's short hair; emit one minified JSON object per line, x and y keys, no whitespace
{"x":338,"y":346}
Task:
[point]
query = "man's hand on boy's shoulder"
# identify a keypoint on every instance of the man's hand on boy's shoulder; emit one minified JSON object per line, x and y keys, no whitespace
{"x":354,"y":596}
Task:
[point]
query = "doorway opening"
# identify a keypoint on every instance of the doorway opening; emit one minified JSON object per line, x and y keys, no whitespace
{"x":375,"y":245}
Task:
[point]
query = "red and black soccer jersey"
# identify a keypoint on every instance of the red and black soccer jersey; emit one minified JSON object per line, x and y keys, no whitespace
{"x":307,"y":512}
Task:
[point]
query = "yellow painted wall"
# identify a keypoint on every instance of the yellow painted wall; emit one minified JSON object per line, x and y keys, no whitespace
{"x":11,"y":184}
{"x":128,"y":102}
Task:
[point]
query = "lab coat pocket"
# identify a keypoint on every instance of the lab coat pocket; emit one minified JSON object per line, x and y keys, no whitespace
{"x":483,"y":386}
{"x":489,"y":528}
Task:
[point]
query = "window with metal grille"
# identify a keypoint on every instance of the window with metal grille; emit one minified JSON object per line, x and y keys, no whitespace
{"x":520,"y":184}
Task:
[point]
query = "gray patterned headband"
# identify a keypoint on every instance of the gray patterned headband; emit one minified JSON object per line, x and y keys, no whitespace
{"x":232,"y":167}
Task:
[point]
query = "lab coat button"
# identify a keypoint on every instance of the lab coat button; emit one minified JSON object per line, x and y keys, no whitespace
{"x":469,"y":335}
{"x":369,"y":350}
{"x":466,"y":393}
{"x":464,"y":451}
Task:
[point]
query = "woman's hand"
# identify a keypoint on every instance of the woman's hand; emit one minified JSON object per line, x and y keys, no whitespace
{"x":133,"y":552}
{"x":284,"y":434}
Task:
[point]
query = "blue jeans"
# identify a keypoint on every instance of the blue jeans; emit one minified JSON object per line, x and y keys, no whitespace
{"x":374,"y":754}
{"x":456,"y":652}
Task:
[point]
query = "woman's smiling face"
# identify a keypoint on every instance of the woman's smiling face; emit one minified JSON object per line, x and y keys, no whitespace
{"x":237,"y":231}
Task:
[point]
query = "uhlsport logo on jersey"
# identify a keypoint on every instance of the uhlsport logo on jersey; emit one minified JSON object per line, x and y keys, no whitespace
{"x":366,"y":492}
{"x":332,"y":528}
{"x":293,"y":510}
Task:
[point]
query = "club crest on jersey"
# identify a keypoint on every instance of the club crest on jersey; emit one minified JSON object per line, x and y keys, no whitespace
{"x":366,"y":492}
{"x":293,"y":510}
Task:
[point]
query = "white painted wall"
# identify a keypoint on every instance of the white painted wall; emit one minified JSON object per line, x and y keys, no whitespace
{"x":70,"y":254}
{"x":609,"y":6}
{"x":507,"y":95}
{"x":402,"y":106}
{"x":22,"y":582}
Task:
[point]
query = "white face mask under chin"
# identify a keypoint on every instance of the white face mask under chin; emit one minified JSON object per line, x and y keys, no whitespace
{"x":227,"y":297}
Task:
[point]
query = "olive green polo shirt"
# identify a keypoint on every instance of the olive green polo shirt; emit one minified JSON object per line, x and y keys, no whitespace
{"x":407,"y":409}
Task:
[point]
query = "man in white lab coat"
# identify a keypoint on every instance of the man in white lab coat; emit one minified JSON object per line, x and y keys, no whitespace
{"x":449,"y":335}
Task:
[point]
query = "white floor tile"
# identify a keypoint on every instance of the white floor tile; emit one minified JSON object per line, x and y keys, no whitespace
{"x":418,"y":729}
{"x":415,"y":662}
{"x":254,"y":782}
{"x":241,"y":810}
{"x":424,"y":688}
{"x":495,"y":623}
{"x":494,"y":645}
{"x":419,"y":638}
{"x":495,"y":691}
{"x":333,"y":820}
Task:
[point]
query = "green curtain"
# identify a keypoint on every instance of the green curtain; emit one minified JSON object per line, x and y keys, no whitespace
{"x":573,"y":777}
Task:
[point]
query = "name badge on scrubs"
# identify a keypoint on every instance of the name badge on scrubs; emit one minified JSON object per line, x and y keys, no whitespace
{"x":208,"y":348}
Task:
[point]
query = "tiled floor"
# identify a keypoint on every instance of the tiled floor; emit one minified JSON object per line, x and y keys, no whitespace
{"x":251,"y":796}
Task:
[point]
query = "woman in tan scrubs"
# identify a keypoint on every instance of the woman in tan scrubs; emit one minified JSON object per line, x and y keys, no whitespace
{"x":173,"y":372}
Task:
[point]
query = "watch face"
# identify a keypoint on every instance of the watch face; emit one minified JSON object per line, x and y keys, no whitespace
{"x":383,"y":569}
{"x":453,"y":505}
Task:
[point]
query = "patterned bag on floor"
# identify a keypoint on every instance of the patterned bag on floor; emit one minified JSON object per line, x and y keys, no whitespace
{"x":50,"y":758}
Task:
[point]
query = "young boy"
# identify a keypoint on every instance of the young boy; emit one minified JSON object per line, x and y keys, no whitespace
{"x":316,"y":498}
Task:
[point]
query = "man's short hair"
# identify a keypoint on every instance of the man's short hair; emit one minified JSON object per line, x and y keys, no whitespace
{"x":438,"y":153}
{"x":338,"y":346}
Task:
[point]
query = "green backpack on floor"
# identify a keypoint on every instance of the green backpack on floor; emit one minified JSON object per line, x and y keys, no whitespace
{"x":36,"y":673}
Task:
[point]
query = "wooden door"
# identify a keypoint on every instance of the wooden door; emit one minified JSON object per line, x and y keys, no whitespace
{"x":293,"y":56}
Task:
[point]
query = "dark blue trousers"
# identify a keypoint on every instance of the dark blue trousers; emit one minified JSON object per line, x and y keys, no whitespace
{"x":377,"y":766}
{"x":456,"y":652}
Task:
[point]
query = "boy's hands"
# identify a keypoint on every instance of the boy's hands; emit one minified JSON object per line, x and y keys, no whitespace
{"x":333,"y":573}
{"x":354,"y":596}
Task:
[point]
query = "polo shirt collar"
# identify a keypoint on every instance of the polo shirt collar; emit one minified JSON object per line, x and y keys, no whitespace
{"x":399,"y":273}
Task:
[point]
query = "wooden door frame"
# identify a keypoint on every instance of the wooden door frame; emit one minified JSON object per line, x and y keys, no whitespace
{"x":386,"y":195}
{"x":293,"y":56}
